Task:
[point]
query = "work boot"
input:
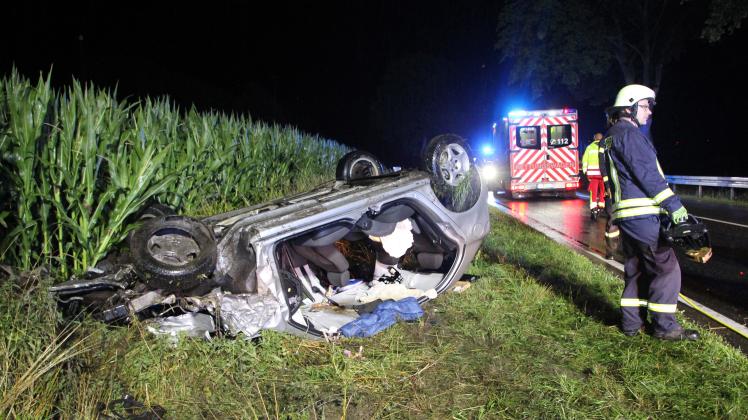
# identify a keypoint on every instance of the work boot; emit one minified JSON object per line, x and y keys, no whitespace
{"x":678,"y":334}
{"x":630,"y":332}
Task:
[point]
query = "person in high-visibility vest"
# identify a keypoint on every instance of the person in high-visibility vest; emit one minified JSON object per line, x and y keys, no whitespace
{"x":591,"y":168}
{"x":640,"y":198}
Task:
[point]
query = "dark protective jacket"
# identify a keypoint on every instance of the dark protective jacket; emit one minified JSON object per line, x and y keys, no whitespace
{"x":635,"y":179}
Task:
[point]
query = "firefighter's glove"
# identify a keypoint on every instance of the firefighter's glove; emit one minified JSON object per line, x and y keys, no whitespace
{"x":679,"y":216}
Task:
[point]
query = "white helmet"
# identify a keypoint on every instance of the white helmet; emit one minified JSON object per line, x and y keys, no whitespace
{"x":631,"y":94}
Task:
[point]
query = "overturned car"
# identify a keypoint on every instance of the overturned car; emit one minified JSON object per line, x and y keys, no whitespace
{"x":307,"y":264}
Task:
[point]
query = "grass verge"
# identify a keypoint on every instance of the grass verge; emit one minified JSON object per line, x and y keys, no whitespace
{"x":534,"y":337}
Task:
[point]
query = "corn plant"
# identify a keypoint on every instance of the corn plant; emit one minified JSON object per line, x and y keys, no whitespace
{"x":77,"y":165}
{"x":107,"y":172}
{"x":204,"y":154}
{"x":5,"y":198}
{"x":28,"y":109}
{"x":157,"y":122}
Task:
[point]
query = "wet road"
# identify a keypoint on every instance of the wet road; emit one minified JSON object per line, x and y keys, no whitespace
{"x":721,"y":284}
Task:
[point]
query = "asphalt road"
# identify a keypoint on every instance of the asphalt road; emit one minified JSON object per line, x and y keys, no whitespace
{"x":721,"y":284}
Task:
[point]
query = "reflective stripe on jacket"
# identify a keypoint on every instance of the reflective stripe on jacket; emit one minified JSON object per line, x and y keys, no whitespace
{"x":638,"y":185}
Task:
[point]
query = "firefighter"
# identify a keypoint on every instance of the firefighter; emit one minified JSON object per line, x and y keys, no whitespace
{"x":591,"y":168}
{"x":640,"y":197}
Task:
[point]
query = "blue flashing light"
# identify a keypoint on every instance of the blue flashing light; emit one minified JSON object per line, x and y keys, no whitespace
{"x":487,"y":150}
{"x":517,"y":113}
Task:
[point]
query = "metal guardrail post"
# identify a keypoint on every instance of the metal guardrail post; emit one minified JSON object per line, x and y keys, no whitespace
{"x":708,"y":181}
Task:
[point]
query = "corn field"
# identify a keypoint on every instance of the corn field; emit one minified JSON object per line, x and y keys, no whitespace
{"x":77,"y":164}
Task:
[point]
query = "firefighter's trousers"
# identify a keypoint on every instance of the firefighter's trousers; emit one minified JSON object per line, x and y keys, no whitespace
{"x":651,"y":275}
{"x":612,"y":238}
{"x":597,"y":191}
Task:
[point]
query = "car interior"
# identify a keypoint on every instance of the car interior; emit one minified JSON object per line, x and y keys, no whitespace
{"x":331,"y":268}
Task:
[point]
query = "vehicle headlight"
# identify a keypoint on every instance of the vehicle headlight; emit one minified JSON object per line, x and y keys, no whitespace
{"x":489,"y":172}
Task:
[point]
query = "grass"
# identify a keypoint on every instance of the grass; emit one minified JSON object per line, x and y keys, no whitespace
{"x":534,"y":337}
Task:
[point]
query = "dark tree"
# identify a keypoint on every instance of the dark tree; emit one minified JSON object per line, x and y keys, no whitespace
{"x":725,"y":17}
{"x":579,"y":43}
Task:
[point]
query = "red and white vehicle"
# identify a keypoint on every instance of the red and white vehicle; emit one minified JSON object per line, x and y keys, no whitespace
{"x":541,"y":149}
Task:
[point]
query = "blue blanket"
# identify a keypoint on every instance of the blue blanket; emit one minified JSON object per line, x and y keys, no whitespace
{"x":384,"y":316}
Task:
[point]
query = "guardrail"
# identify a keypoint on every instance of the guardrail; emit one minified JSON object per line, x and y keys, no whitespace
{"x":730,"y":182}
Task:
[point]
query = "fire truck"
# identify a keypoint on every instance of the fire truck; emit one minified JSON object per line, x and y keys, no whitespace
{"x":535,"y":152}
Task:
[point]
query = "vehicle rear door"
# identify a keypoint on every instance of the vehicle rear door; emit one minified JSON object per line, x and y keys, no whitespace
{"x":560,"y":146}
{"x":526,"y":150}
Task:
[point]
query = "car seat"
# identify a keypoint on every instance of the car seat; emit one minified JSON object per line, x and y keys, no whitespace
{"x":318,"y":247}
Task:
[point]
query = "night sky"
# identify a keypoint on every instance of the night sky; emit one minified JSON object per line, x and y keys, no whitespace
{"x":356,"y":72}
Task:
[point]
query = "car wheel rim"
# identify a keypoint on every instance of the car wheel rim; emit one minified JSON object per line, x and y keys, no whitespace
{"x":362,"y":168}
{"x":173,"y":247}
{"x":454,"y":164}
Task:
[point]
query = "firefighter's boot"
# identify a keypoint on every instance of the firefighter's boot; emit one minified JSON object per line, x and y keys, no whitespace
{"x":678,"y":334}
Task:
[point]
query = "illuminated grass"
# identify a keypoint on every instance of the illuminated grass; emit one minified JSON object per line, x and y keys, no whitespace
{"x":534,"y":337}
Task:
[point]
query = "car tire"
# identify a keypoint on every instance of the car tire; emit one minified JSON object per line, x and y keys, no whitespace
{"x":454,"y":177}
{"x":358,"y":164}
{"x":150,"y":211}
{"x":173,"y":253}
{"x":153,"y":210}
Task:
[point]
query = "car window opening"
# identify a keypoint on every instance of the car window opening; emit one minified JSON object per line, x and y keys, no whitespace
{"x":339,"y":271}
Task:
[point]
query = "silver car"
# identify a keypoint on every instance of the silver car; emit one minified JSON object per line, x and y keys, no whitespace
{"x":307,"y":264}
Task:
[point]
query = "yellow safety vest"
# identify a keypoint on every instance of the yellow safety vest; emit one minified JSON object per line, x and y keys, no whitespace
{"x":591,"y":159}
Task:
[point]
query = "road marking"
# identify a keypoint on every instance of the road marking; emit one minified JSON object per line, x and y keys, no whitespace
{"x":722,"y":221}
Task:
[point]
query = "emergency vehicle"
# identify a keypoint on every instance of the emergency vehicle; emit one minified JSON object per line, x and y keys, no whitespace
{"x":537,"y":152}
